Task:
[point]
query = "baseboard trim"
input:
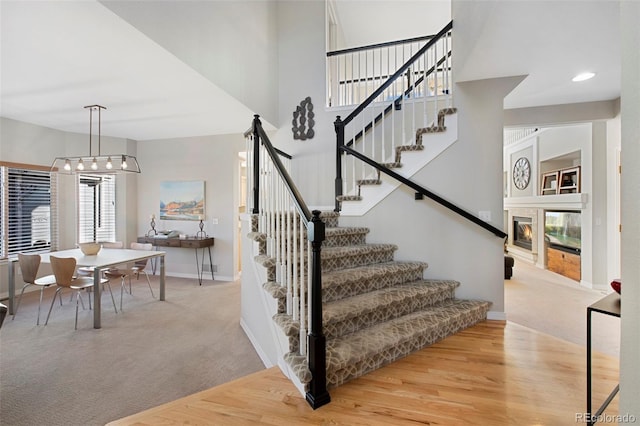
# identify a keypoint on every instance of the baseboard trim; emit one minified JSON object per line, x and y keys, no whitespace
{"x":498,"y":316}
{"x":195,"y":276}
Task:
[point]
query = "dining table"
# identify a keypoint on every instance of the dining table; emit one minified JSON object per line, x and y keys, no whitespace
{"x":105,"y":258}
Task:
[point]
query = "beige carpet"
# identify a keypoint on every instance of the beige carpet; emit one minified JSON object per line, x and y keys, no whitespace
{"x":153,"y":352}
{"x":556,"y":305}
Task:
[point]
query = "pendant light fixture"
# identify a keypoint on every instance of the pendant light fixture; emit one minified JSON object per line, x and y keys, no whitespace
{"x":96,"y":163}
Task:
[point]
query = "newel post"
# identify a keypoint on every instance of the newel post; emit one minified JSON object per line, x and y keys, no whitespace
{"x":256,"y":165}
{"x":317,"y":396}
{"x":339,"y":127}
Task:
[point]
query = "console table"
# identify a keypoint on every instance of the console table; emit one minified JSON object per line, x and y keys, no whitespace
{"x":608,"y":305}
{"x":192,"y":243}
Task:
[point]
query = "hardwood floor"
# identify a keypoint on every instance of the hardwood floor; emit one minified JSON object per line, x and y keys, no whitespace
{"x":494,"y":373}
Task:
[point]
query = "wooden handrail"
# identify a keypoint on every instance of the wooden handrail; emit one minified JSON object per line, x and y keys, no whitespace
{"x":301,"y":206}
{"x":378,"y":45}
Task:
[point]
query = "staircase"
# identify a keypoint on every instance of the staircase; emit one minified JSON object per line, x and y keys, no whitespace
{"x":429,"y":142}
{"x":342,"y":307}
{"x":375,"y":309}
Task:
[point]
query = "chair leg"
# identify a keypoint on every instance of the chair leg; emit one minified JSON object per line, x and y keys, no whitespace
{"x":40,"y":304}
{"x":111,"y":293}
{"x":77,"y":299}
{"x":52,"y":302}
{"x":149,"y":282}
{"x":121,"y":292}
{"x":19,"y":300}
{"x":81,"y":299}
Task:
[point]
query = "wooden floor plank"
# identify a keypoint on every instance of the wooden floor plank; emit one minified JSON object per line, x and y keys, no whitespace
{"x":493,"y":373}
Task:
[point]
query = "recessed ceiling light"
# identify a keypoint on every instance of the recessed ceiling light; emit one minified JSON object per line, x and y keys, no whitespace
{"x":584,"y":76}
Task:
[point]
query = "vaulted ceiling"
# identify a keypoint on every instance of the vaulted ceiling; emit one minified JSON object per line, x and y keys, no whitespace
{"x":58,"y":56}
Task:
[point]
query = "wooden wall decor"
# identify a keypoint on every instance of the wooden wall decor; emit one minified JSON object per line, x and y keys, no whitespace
{"x":303,"y":121}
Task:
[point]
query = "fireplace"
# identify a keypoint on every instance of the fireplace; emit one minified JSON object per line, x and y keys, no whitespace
{"x":522,"y":232}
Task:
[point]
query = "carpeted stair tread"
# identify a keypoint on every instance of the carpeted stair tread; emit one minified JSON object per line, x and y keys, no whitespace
{"x":365,"y":350}
{"x":348,"y":315}
{"x":406,"y":148}
{"x":368,"y":182}
{"x":394,"y":165}
{"x":330,"y":218}
{"x":349,"y":198}
{"x":352,"y":256}
{"x":276,"y":290}
{"x":383,"y":304}
{"x":343,"y":283}
{"x":341,"y":251}
{"x":341,"y":230}
{"x":343,"y":236}
{"x":264,"y":260}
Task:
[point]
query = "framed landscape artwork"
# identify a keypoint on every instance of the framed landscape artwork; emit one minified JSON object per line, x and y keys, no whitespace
{"x":182,"y":200}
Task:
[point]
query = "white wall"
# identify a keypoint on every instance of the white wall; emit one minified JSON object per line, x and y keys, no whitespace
{"x":213,"y":159}
{"x":301,"y":53}
{"x":613,"y":197}
{"x":238,"y":36}
{"x":630,"y":111}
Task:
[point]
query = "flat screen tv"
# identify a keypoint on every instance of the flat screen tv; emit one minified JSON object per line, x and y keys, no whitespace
{"x":562,"y":230}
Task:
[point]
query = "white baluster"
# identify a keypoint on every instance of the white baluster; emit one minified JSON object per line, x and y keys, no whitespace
{"x":283,"y":237}
{"x":269,"y":204}
{"x":352,"y":79}
{"x":289,"y":261}
{"x":364,"y":143}
{"x":303,"y":300}
{"x":352,"y":158}
{"x":425,"y":66}
{"x":296,"y":299}
{"x":435,"y":80}
{"x":309,"y":281}
{"x":278,"y":231}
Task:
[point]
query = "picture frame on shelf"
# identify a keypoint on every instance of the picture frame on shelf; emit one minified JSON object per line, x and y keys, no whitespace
{"x":549,"y":183}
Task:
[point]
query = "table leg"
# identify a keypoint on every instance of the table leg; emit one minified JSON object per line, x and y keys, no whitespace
{"x":97,"y":272}
{"x":210,"y":262}
{"x":589,"y":366}
{"x":11,"y":267}
{"x":199,"y":270}
{"x":154,"y":262}
{"x":162,"y":277}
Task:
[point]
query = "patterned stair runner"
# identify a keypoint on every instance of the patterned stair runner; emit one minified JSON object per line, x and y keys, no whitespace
{"x":375,"y":309}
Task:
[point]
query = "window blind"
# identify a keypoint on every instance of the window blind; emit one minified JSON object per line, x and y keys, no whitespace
{"x":96,"y":208}
{"x":29,"y":214}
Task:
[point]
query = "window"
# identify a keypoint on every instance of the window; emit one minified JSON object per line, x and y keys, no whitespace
{"x":28,"y":222}
{"x":96,"y":208}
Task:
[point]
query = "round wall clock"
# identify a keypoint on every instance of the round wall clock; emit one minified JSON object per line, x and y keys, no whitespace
{"x":521,"y":173}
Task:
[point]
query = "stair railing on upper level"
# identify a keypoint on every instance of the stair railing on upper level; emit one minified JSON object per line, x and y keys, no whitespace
{"x":389,"y":117}
{"x":354,"y":73}
{"x":374,"y":128}
{"x":294,"y":238}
